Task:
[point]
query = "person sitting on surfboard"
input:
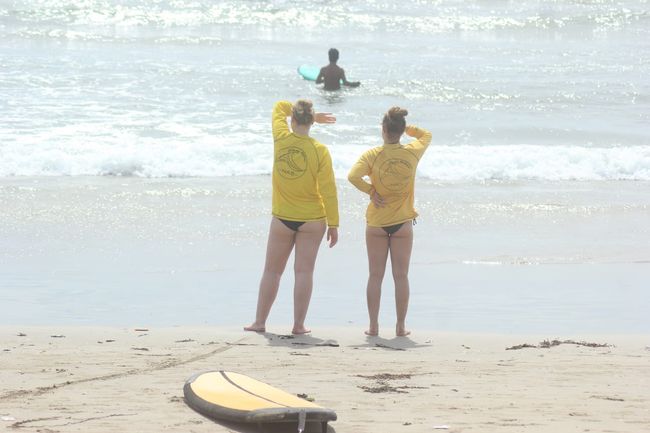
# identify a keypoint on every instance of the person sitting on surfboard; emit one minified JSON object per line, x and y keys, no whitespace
{"x":333,"y":75}
{"x":304,"y":202}
{"x":390,"y":214}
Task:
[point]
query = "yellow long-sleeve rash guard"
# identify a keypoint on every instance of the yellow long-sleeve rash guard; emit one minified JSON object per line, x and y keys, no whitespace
{"x":391,"y":169}
{"x":304,"y":188}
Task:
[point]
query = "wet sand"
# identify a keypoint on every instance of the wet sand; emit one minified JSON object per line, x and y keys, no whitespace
{"x":558,"y":257}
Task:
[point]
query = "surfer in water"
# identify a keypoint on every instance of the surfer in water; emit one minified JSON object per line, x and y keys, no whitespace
{"x":390,"y":214}
{"x":304,"y":206}
{"x":333,"y":75}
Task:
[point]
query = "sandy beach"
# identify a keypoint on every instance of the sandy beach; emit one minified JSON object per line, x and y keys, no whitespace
{"x":88,"y":379}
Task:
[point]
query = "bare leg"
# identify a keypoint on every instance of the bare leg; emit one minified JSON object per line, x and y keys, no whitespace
{"x":401,"y":244}
{"x":377,"y":245}
{"x":308,"y":240}
{"x":278,"y":249}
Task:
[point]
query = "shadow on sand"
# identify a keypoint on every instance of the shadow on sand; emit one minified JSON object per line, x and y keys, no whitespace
{"x":396,"y":343}
{"x":298,"y":341}
{"x":280,"y":427}
{"x":307,"y":341}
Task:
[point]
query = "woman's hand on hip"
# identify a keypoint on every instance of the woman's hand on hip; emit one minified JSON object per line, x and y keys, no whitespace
{"x":377,"y":199}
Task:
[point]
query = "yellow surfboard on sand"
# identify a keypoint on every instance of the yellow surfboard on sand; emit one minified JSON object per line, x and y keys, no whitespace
{"x":236,"y":397}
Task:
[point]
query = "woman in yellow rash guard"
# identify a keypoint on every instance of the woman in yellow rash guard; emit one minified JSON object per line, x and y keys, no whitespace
{"x":304,"y":201}
{"x":391,"y":168}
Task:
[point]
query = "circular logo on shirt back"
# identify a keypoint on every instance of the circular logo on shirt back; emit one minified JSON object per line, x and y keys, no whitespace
{"x":291,"y":162}
{"x":395,"y":174}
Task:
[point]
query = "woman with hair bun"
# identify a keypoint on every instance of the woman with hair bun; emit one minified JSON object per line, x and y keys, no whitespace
{"x":304,"y":204}
{"x":390,"y":214}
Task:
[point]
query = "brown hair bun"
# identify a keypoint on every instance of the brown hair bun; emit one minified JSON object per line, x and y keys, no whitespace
{"x":303,"y":112}
{"x":398,"y":112}
{"x":394,"y":122}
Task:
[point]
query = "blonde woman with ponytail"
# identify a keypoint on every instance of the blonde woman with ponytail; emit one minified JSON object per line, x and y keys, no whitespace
{"x":305,"y":205}
{"x":390,"y":213}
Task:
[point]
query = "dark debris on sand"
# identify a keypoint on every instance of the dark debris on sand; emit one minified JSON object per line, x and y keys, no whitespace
{"x":381,"y":384}
{"x":546,"y":344}
{"x":386,"y":376}
{"x":383,"y":388}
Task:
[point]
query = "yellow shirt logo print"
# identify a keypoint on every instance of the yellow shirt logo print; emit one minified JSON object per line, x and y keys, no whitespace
{"x":395,"y":174}
{"x":291,"y":162}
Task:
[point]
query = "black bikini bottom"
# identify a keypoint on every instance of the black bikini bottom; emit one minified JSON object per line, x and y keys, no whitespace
{"x":392,"y":229}
{"x":293,"y":225}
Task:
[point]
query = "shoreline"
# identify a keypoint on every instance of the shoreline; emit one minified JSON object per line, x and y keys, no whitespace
{"x":104,"y":379}
{"x":553,"y":258}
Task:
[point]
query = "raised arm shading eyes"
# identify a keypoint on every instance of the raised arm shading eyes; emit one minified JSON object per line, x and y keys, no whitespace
{"x":281,"y":111}
{"x":422,"y":139}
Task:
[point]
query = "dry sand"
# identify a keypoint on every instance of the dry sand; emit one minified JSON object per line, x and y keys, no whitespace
{"x":82,"y":379}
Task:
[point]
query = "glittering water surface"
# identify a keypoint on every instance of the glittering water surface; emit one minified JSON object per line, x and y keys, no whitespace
{"x":511,"y":90}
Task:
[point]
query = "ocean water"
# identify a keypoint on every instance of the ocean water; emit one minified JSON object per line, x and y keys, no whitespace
{"x":557,"y":259}
{"x":512,"y":90}
{"x":533,"y":197}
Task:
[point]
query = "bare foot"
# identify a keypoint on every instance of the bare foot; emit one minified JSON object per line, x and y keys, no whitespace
{"x":300,"y":331}
{"x":372,"y":332}
{"x":400,"y":331}
{"x":255,"y":328}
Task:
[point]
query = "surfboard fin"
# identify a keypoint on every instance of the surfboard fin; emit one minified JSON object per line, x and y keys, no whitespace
{"x":302,"y":418}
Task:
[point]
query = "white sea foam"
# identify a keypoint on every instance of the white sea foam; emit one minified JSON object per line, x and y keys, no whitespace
{"x":249,"y":154}
{"x":461,"y":163}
